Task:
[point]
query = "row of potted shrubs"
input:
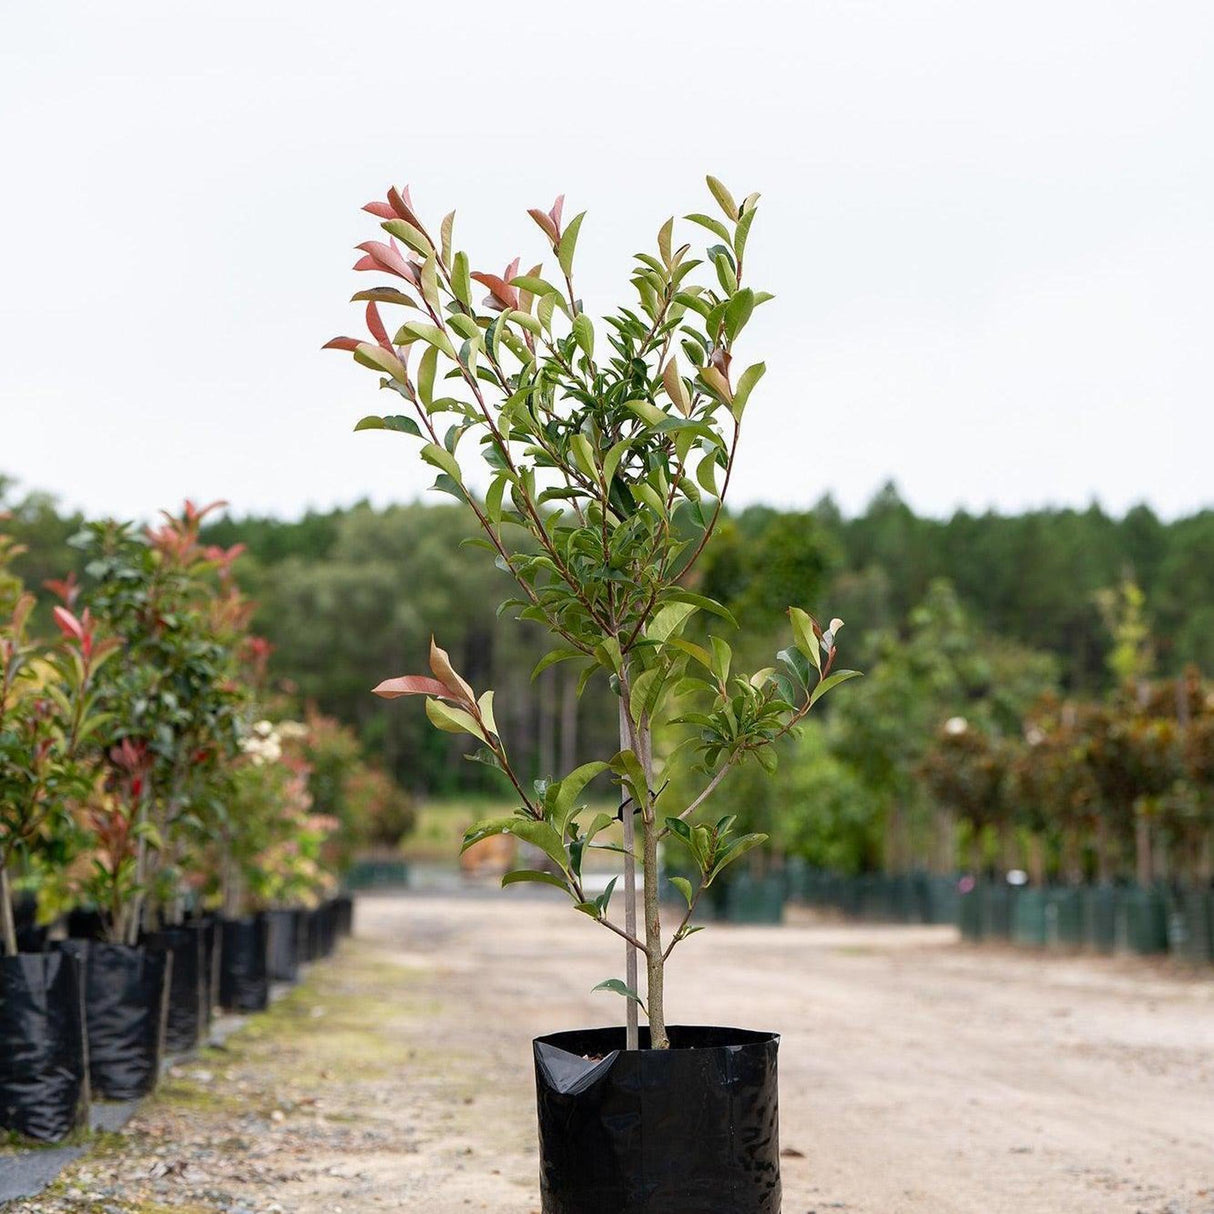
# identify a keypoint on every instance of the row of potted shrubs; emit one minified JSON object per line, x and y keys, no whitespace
{"x":82,"y":1018}
{"x":1175,"y":918}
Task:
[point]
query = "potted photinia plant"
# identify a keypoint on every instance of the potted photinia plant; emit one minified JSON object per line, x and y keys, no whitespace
{"x":172,"y":716}
{"x":48,"y":715}
{"x":606,"y":451}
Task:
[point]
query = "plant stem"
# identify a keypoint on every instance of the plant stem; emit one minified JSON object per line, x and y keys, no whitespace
{"x":8,"y":921}
{"x":631,"y":1034}
{"x":655,"y":958}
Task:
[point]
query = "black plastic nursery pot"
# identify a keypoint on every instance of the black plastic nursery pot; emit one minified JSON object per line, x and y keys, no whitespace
{"x":187,"y":984}
{"x":125,"y":1007}
{"x":689,"y":1130}
{"x":83,"y":924}
{"x":345,"y":915}
{"x":43,"y":1052}
{"x":209,"y":930}
{"x":244,"y":976}
{"x":283,"y":946}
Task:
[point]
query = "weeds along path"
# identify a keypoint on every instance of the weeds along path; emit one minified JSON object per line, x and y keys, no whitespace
{"x":917,"y":1075}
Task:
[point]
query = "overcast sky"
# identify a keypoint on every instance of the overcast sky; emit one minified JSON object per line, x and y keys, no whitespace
{"x":989,"y":227}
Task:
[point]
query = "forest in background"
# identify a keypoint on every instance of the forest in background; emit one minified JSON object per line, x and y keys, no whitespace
{"x":977,"y":616}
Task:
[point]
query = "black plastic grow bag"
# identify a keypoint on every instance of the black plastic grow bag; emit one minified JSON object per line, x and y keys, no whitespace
{"x":43,"y":1057}
{"x":345,"y":914}
{"x":689,"y":1130}
{"x":244,"y":978}
{"x":283,"y":946}
{"x":125,"y":1007}
{"x":85,"y":925}
{"x":186,"y":1016}
{"x":208,"y":930}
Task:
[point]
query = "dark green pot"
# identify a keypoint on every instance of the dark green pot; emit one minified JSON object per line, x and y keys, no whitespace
{"x":748,"y":899}
{"x":1028,"y":924}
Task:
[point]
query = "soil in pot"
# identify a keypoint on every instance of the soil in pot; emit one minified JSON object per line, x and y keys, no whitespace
{"x":689,"y":1130}
{"x":125,"y":1007}
{"x":43,"y":1057}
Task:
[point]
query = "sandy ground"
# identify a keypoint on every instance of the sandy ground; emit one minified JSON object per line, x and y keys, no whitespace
{"x":917,"y":1074}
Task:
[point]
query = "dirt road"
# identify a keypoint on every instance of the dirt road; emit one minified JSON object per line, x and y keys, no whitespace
{"x":917,"y":1074}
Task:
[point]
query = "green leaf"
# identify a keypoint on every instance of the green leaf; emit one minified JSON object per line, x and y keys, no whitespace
{"x":698,"y":652}
{"x":536,"y":286}
{"x":374,"y":422}
{"x":840,"y":676}
{"x":565,"y":250}
{"x":552,"y":657}
{"x":706,"y":474}
{"x":644,"y":690}
{"x":493,"y":498}
{"x":806,"y":638}
{"x":677,"y":826}
{"x":617,"y":987}
{"x":429,"y":333}
{"x":600,"y":823}
{"x":583,"y":453}
{"x":647,"y":494}
{"x":724,"y":198}
{"x":485,"y":706}
{"x":737,"y":312}
{"x":533,"y":874}
{"x":406,"y":232}
{"x":664,"y":236}
{"x":701,"y":601}
{"x":713,"y":225}
{"x":405,"y":425}
{"x":722,"y":658}
{"x":583,"y":333}
{"x":461,"y":280}
{"x":441,"y":458}
{"x":746,"y":383}
{"x":612,"y":460}
{"x":668,"y":620}
{"x":542,"y":835}
{"x":425,"y":376}
{"x":485,"y":829}
{"x":734,"y":852}
{"x":647,"y":411}
{"x":453,"y":720}
{"x":379,"y":359}
{"x":571,"y":786}
{"x":684,"y":887}
{"x":626,"y":764}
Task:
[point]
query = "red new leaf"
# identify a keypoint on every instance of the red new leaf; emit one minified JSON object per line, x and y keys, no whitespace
{"x":504,"y":295}
{"x":376,"y":326}
{"x":69,"y":625}
{"x":412,"y":685}
{"x":389,"y":259}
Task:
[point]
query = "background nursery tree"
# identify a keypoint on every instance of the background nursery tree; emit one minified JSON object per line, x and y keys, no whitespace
{"x":607,"y":452}
{"x":48,"y":720}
